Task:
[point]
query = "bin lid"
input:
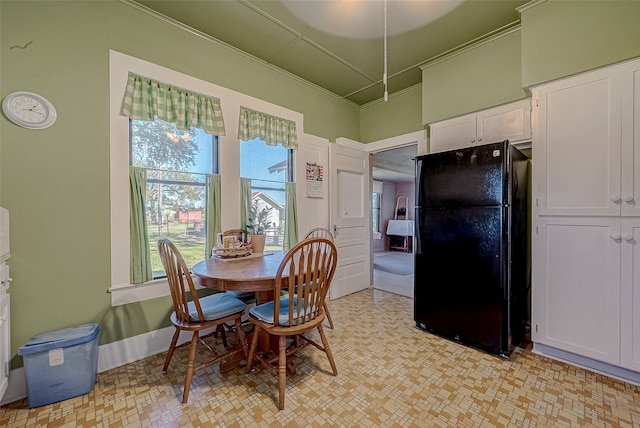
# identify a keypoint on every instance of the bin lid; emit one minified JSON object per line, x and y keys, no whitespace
{"x":60,"y":339}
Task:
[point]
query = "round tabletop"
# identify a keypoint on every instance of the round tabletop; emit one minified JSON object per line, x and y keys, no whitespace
{"x":252,"y":273}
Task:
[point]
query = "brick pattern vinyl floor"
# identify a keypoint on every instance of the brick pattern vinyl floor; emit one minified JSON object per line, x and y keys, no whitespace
{"x":390,"y":375}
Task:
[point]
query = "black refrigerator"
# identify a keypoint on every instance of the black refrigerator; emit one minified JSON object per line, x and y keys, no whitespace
{"x":471,"y":280}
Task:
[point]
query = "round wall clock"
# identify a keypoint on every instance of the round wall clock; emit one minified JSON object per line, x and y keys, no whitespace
{"x":29,"y":110}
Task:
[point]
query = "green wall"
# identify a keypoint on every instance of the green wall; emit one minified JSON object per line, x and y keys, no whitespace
{"x":398,"y":116}
{"x":561,"y":37}
{"x":55,"y":182}
{"x":485,"y":75}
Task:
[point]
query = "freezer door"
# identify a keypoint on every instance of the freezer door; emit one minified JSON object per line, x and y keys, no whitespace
{"x":466,"y":177}
{"x":461,"y":289}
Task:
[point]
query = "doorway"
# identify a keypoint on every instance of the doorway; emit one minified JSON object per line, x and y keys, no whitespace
{"x":393,"y":176}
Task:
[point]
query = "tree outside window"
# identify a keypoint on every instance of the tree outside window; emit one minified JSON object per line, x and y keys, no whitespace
{"x":177,"y":162}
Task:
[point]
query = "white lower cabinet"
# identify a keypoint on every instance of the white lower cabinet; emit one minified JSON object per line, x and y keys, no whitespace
{"x":586,"y":298}
{"x":630,"y":295}
{"x":576,"y":300}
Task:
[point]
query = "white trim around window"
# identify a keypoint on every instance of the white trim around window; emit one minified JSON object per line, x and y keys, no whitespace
{"x":122,"y":291}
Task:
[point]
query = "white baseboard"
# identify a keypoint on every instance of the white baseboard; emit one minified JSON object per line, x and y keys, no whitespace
{"x":110,"y":356}
{"x":606,"y":369}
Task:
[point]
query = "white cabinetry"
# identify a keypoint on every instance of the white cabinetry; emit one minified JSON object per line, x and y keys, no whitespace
{"x":586,"y":220}
{"x":507,"y":122}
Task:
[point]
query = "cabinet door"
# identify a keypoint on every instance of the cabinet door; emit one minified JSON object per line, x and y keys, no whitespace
{"x":576,"y":145}
{"x":630,"y":295}
{"x":508,"y":122}
{"x":631,"y":139}
{"x":453,"y":133}
{"x":576,"y":286}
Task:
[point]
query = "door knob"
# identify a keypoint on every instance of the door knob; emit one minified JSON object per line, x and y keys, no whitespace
{"x":616,"y":236}
{"x":628,"y":198}
{"x":615,"y":198}
{"x":628,"y":238}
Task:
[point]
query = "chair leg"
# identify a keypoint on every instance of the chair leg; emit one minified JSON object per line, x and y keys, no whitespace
{"x":190,"y":366}
{"x":328,"y":314}
{"x":220,"y":330}
{"x":327,"y":350}
{"x":252,"y":350}
{"x":282,"y":370}
{"x":172,"y":348}
{"x":242,"y":340}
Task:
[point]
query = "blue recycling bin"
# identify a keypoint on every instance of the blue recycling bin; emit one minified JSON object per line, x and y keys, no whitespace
{"x":61,"y":364}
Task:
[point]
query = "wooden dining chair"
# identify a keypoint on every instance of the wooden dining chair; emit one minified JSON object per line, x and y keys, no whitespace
{"x":304,"y":275}
{"x":242,"y":235}
{"x":197,"y":314}
{"x":321,"y":232}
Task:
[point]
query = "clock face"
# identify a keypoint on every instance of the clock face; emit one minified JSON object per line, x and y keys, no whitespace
{"x":29,"y":110}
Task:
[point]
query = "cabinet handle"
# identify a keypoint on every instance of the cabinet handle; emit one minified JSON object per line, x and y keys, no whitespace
{"x":628,"y":238}
{"x":473,"y":140}
{"x":479,"y":139}
{"x":616,"y":236}
{"x":615,"y":198}
{"x":628,"y":198}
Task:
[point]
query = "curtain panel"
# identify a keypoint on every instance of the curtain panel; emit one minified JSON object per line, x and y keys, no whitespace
{"x":146,"y":98}
{"x":245,"y":204}
{"x":140,"y":270}
{"x":291,"y":216}
{"x":271,"y":129}
{"x":213,"y":211}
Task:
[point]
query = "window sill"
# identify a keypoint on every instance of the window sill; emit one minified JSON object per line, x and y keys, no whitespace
{"x":132,"y":293}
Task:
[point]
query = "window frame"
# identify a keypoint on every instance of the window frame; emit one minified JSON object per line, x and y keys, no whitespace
{"x":121,"y":290}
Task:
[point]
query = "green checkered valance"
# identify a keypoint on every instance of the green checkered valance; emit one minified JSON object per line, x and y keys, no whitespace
{"x":271,"y":129}
{"x":145,"y":98}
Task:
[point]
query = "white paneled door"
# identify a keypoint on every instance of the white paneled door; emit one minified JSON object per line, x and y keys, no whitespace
{"x":350,"y":218}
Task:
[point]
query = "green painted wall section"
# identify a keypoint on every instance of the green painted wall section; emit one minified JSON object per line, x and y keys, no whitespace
{"x":398,"y":116}
{"x":55,"y":182}
{"x":561,"y":38}
{"x":483,"y":76}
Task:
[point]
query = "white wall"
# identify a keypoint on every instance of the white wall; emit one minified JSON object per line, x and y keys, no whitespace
{"x":312,"y":211}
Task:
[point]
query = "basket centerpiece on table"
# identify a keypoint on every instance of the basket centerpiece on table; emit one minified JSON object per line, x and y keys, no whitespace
{"x":232,"y":248}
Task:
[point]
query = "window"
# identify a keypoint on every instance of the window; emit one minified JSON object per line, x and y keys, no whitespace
{"x":268,"y":167}
{"x":375,"y":211}
{"x":177,"y":163}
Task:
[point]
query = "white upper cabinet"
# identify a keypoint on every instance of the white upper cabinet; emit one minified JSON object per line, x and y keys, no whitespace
{"x":508,"y":122}
{"x":586,"y":128}
{"x":630,"y":192}
{"x":453,"y":133}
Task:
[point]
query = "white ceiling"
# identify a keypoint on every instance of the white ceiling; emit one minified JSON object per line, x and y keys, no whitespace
{"x":395,"y":165}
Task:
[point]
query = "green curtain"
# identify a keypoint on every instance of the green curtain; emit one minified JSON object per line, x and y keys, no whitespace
{"x":139,"y":243}
{"x":271,"y":129}
{"x":291,"y":217}
{"x":213,"y":211}
{"x":146,"y":98}
{"x":245,"y":202}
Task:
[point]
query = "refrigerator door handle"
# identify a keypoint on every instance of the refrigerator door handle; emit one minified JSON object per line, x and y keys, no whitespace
{"x":417,"y":227}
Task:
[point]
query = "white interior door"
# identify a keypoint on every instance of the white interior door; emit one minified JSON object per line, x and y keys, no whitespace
{"x":350,"y":218}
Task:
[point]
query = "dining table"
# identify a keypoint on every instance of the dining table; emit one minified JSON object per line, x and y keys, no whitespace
{"x":254,"y":273}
